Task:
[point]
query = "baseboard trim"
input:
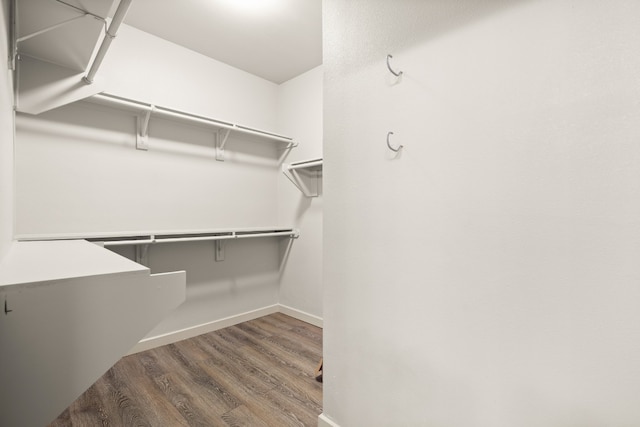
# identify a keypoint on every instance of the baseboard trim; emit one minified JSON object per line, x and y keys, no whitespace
{"x":301,"y":315}
{"x":194,"y":331}
{"x":323,"y":421}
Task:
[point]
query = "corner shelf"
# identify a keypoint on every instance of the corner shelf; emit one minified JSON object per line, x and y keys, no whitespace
{"x":306,"y":175}
{"x":222,"y":128}
{"x":71,"y":310}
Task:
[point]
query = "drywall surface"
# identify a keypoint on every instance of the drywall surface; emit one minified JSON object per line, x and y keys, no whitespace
{"x":77,"y":171}
{"x":246,"y":280}
{"x":487,"y":274}
{"x":300,"y":116}
{"x":144,"y":67}
{"x":6,"y":140}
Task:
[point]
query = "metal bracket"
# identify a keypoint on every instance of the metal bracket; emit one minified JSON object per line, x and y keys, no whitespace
{"x":221,"y":140}
{"x":219,"y":250}
{"x":308,"y":181}
{"x":142,"y":136}
{"x":6,"y":308}
{"x":142,"y":255}
{"x":13,"y":34}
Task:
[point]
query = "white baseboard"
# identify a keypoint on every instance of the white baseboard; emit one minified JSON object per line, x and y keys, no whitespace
{"x":301,"y":315}
{"x":323,"y":421}
{"x":194,"y":331}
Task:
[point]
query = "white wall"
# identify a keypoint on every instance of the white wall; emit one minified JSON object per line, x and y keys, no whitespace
{"x":177,"y":184}
{"x":142,"y":66}
{"x":77,"y":171}
{"x":6,"y":139}
{"x":488,"y":274}
{"x":300,"y":116}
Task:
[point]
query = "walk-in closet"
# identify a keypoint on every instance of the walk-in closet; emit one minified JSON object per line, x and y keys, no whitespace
{"x":163,"y":194}
{"x":332,"y":213}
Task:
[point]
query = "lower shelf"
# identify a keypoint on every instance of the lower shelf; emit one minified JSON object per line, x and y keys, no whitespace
{"x":167,"y":236}
{"x":72,"y":309}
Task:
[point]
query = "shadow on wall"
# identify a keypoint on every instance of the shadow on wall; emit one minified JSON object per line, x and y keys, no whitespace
{"x":89,"y":123}
{"x":408,"y":22}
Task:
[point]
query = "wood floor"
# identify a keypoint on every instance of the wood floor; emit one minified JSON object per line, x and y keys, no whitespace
{"x":257,"y":373}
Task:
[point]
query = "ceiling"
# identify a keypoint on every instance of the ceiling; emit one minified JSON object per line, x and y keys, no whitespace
{"x":273,"y":39}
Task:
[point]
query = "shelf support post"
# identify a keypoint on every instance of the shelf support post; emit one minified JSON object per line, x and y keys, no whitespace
{"x":142,"y":136}
{"x":221,"y":140}
{"x":219,"y":250}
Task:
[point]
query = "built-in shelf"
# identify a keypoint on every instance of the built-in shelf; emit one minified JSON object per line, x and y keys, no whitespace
{"x":70,"y":310}
{"x":306,"y":175}
{"x":142,"y":240}
{"x":53,"y":49}
{"x":61,"y":260}
{"x":120,"y":238}
{"x":222,"y":128}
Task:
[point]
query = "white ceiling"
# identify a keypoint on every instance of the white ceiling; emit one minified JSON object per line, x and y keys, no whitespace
{"x":274,"y":39}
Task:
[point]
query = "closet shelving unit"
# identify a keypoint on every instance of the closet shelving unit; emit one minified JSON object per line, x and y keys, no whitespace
{"x":305,"y":175}
{"x":142,"y":240}
{"x":119,"y":238}
{"x":70,"y":306}
{"x":222,"y":128}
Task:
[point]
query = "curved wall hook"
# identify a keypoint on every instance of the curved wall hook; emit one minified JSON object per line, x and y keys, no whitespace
{"x":398,"y":74}
{"x":395,"y":150}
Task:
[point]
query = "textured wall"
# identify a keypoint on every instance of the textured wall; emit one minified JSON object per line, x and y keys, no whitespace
{"x":6,"y":140}
{"x":487,"y":275}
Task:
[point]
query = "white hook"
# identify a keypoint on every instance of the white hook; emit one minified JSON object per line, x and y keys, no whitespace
{"x":398,"y":74}
{"x":395,"y":150}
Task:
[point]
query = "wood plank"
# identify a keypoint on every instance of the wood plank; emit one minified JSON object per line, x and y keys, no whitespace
{"x":242,"y":417}
{"x":258,"y":373}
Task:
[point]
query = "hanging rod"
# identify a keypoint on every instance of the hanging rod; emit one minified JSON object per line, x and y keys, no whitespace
{"x":109,"y":35}
{"x":308,"y":164}
{"x":105,"y":98}
{"x":192,"y":237}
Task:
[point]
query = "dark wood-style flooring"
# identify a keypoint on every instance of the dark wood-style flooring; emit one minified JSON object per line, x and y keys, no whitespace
{"x":257,"y":373}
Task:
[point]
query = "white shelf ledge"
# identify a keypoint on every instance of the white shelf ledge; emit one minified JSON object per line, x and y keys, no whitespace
{"x":306,"y":175}
{"x":40,"y":261}
{"x":70,"y":310}
{"x":223,"y":128}
{"x":166,"y":236}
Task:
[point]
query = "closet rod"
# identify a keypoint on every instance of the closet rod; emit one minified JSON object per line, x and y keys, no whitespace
{"x":128,"y":242}
{"x":193,"y":239}
{"x":106,"y":98}
{"x":274,"y":234}
{"x":304,"y":165}
{"x":231,"y":236}
{"x":109,"y":35}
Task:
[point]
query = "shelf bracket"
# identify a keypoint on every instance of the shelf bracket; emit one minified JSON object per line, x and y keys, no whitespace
{"x":219,"y":250}
{"x":6,"y":307}
{"x":142,"y":136}
{"x":221,"y":140}
{"x":308,"y":181}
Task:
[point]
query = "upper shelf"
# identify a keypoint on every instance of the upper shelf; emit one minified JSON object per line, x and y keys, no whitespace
{"x":306,"y":175}
{"x":223,"y":128}
{"x":61,"y":33}
{"x":33,"y":262}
